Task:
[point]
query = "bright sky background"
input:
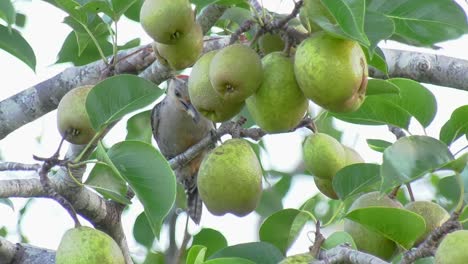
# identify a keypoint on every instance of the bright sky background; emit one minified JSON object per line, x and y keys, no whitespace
{"x":46,"y":221}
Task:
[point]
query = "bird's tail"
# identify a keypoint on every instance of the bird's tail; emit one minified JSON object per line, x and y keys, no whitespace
{"x":194,"y":204}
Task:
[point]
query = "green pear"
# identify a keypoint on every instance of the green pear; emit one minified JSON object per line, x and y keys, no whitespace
{"x":368,"y":240}
{"x":323,"y":155}
{"x":166,"y":21}
{"x":332,"y":72}
{"x":72,"y":119}
{"x":325,"y":186}
{"x":236,"y":72}
{"x":203,"y":96}
{"x":269,"y":43}
{"x":85,"y":245}
{"x":452,"y":249}
{"x":303,"y":258}
{"x":313,"y":11}
{"x":230,"y":179}
{"x":185,"y":52}
{"x":434,"y":215}
{"x":279,"y":104}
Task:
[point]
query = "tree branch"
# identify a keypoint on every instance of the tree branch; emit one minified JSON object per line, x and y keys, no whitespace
{"x":344,"y":254}
{"x":24,"y":253}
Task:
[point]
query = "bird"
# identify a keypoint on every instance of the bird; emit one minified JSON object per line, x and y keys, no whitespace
{"x":176,"y":126}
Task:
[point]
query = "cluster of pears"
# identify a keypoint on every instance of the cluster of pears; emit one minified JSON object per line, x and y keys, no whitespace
{"x":232,"y":187}
{"x":178,"y":39}
{"x":86,"y":245}
{"x":72,"y":118}
{"x":377,"y":244}
{"x":324,"y":156}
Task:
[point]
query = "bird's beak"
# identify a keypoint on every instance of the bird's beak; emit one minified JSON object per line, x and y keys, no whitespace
{"x":192,"y":111}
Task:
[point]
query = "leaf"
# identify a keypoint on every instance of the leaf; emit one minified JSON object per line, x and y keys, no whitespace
{"x":456,"y":126}
{"x":326,"y":124}
{"x":423,"y":22}
{"x":338,"y":238}
{"x":376,"y":59}
{"x":322,"y":208}
{"x":70,"y":51}
{"x":12,"y":42}
{"x":378,"y":144}
{"x":196,"y":255}
{"x":349,"y":15}
{"x":356,"y":178}
{"x":139,"y":127}
{"x":103,"y":179}
{"x":282,"y":228}
{"x":121,"y":6}
{"x":271,"y":199}
{"x":97,"y":7}
{"x":416,"y":99}
{"x":154,"y":258}
{"x":73,"y":8}
{"x":457,"y":165}
{"x":229,"y":261}
{"x":7,"y":12}
{"x":377,"y":111}
{"x":464,"y":218}
{"x":377,"y":27}
{"x":148,"y":173}
{"x":378,"y":86}
{"x":142,"y":231}
{"x":212,"y":239}
{"x":133,"y":12}
{"x":7,"y":202}
{"x":399,"y":225}
{"x":258,"y":252}
{"x":200,"y":4}
{"x":130,"y":93}
{"x":409,"y":158}
{"x":84,"y":33}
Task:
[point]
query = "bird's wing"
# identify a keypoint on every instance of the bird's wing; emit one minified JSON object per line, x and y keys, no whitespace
{"x":155,"y":117}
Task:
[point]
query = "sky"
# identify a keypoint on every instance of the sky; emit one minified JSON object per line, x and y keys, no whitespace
{"x":46,"y":221}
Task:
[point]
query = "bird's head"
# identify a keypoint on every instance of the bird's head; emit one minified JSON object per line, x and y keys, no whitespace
{"x":177,"y":91}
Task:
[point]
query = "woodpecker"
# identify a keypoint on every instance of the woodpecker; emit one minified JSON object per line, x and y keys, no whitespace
{"x":176,"y":126}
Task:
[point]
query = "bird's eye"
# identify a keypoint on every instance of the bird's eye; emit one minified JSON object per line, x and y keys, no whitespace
{"x":177,"y":93}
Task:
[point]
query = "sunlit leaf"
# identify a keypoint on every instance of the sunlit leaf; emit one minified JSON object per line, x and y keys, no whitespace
{"x":356,"y":178}
{"x":456,"y":126}
{"x":258,"y":252}
{"x":12,"y":42}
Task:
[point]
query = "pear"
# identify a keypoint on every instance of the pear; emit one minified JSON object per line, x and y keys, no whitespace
{"x":313,"y":11}
{"x":323,"y":155}
{"x":236,"y":72}
{"x":303,"y":258}
{"x":368,"y":240}
{"x":185,"y":52}
{"x":434,"y":215}
{"x":203,"y":96}
{"x":325,"y":186}
{"x":269,"y":43}
{"x":72,"y":119}
{"x":332,"y":72}
{"x":279,"y":104}
{"x":166,"y":21}
{"x":230,"y":179}
{"x":85,"y":245}
{"x":452,"y":249}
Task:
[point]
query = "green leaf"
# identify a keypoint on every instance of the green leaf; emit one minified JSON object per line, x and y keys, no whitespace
{"x":322,"y":208}
{"x":97,"y":7}
{"x":130,"y":93}
{"x":416,"y":99}
{"x":104,"y":180}
{"x":377,"y":27}
{"x":139,"y":127}
{"x":457,"y":165}
{"x":142,"y":231}
{"x":356,"y":178}
{"x":154,"y":258}
{"x":96,"y":28}
{"x":196,"y":255}
{"x":7,"y":12}
{"x":376,"y":59}
{"x":237,"y":15}
{"x":338,"y":238}
{"x":378,"y":86}
{"x":229,"y":261}
{"x":73,"y":8}
{"x":282,"y":228}
{"x":121,"y":6}
{"x":448,"y":192}
{"x":7,"y":202}
{"x":200,"y":4}
{"x":350,"y":17}
{"x":377,"y":111}
{"x":12,"y":42}
{"x":133,"y":12}
{"x":271,"y":199}
{"x":70,"y":51}
{"x":326,"y":124}
{"x":148,"y":173}
{"x":378,"y":144}
{"x":410,"y":158}
{"x":258,"y":252}
{"x":456,"y":126}
{"x":423,"y":22}
{"x":399,"y":225}
{"x":212,"y":239}
{"x":464,"y":217}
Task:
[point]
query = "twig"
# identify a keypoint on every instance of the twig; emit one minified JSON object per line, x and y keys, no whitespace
{"x":410,"y":192}
{"x":398,"y":132}
{"x":284,"y":21}
{"x":15,"y":166}
{"x":394,"y":193}
{"x":248,"y":24}
{"x":318,"y":241}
